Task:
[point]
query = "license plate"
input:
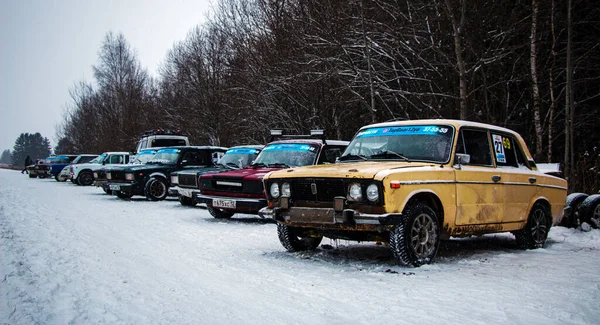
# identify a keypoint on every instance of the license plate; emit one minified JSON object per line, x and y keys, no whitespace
{"x":220,"y":203}
{"x":185,"y":192}
{"x":114,"y":187}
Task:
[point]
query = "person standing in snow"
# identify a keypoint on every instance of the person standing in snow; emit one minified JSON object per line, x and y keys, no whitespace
{"x":27,"y":163}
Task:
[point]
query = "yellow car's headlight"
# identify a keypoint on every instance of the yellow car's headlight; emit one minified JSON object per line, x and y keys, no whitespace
{"x":354,"y":192}
{"x":372,"y":192}
{"x":274,"y":190}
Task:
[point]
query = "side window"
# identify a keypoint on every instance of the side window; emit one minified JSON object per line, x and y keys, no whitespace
{"x":505,"y":151}
{"x":521,"y":161}
{"x":216,"y":156}
{"x":115,"y":159}
{"x":127,"y":159}
{"x":192,"y":158}
{"x":476,"y":144}
{"x":142,"y":144}
{"x":329,"y":155}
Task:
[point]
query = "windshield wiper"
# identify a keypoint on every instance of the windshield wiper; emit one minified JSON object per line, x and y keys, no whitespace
{"x":278,"y":165}
{"x":349,"y":157}
{"x":388,"y":153}
{"x":259,"y":165}
{"x":232,"y":165}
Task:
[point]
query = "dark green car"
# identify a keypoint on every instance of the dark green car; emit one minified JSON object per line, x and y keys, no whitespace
{"x":152,"y":179}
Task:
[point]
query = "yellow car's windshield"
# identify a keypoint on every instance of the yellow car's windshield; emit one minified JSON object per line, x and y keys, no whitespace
{"x":409,"y":143}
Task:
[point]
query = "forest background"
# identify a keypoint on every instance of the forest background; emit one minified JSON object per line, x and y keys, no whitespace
{"x":531,"y":66}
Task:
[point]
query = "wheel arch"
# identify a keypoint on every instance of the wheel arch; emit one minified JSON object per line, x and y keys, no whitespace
{"x":430,"y":199}
{"x":159,"y":175}
{"x":543,"y":201}
{"x":77,"y":171}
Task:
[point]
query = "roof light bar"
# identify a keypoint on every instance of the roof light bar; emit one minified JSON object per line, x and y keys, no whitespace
{"x":163,"y":131}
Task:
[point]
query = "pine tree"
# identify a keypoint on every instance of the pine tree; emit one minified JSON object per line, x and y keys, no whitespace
{"x":6,"y":157}
{"x":33,"y":145}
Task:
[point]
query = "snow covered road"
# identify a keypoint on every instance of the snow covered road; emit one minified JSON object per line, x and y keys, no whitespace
{"x":73,"y":255}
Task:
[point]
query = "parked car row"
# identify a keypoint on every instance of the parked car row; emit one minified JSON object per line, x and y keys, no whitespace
{"x":49,"y":167}
{"x":409,"y":184}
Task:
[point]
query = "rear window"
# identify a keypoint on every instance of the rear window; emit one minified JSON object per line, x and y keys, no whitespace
{"x":168,"y":142}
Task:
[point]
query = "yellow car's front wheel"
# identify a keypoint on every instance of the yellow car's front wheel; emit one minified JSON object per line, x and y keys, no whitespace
{"x":294,"y":240}
{"x":416,"y":239}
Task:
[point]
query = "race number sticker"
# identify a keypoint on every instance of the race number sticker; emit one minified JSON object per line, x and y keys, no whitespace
{"x":499,"y":148}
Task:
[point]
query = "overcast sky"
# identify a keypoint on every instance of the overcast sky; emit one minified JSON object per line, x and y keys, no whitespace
{"x":48,"y":45}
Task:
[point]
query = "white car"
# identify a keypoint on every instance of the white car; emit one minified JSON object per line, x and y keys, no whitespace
{"x":82,"y":174}
{"x":65,"y":173}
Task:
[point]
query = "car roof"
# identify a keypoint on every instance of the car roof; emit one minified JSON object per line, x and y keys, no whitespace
{"x":164,"y":135}
{"x":456,"y":123}
{"x":250,"y":146}
{"x":312,"y":141}
{"x":116,"y":153}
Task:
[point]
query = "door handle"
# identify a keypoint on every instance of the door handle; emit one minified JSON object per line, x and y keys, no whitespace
{"x":532,"y":180}
{"x":496,"y":178}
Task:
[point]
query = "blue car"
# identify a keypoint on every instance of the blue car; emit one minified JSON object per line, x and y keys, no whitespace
{"x":57,"y":163}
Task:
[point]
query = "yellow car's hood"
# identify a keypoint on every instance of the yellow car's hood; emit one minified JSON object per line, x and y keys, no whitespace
{"x":364,"y":169}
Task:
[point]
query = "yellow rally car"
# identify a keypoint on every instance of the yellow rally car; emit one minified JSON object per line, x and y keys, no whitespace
{"x":413,"y":183}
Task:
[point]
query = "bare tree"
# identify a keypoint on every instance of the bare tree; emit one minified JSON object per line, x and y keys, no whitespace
{"x":534,"y":82}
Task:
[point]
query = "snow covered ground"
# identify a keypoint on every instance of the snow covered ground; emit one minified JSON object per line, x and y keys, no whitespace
{"x":73,"y":255}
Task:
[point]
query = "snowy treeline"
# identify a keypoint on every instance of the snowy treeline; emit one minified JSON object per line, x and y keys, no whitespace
{"x":338,"y":65}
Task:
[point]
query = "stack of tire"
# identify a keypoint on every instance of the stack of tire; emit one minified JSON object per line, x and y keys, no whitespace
{"x":585,"y":208}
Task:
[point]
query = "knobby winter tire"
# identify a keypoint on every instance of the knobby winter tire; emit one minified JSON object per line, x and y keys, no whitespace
{"x":295,"y":242}
{"x":416,"y":239}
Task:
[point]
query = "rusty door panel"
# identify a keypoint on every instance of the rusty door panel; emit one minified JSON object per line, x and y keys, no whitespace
{"x":479,"y":199}
{"x":521,"y":190}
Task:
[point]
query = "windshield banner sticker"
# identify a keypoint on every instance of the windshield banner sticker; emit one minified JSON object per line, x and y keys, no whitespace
{"x":499,"y":145}
{"x":290,"y":147}
{"x":403,"y":130}
{"x":175,"y":151}
{"x":242,"y":151}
